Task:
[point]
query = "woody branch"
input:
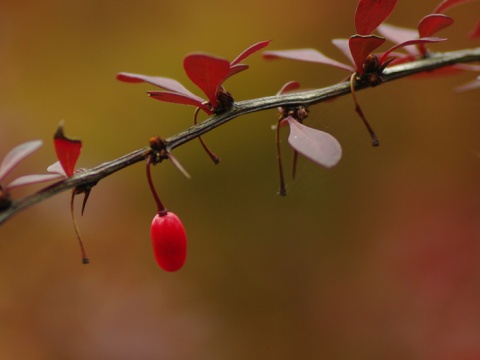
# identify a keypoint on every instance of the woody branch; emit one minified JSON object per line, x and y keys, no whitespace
{"x":90,"y":177}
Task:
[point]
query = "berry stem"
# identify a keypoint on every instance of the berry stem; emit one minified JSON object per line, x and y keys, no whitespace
{"x":160,"y":208}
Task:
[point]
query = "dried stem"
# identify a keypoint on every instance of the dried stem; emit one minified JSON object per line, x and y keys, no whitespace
{"x":85,"y":259}
{"x":281,"y":190}
{"x":93,"y":175}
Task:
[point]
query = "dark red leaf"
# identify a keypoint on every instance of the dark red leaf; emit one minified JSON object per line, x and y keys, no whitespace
{"x":235,"y":69}
{"x":431,"y":24}
{"x":314,"y":144}
{"x":249,"y":51}
{"x":408,"y":43}
{"x":207,"y":72}
{"x":448,"y":4}
{"x":371,"y":13}
{"x":16,"y":155}
{"x":361,"y":47}
{"x":310,"y":55}
{"x":67,"y":150}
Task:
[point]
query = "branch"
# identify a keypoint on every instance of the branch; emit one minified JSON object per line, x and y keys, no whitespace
{"x":91,"y":176}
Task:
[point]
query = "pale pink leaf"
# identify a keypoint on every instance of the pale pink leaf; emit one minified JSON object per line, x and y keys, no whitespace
{"x":399,"y":35}
{"x":32,"y":179}
{"x":472,"y":85}
{"x":314,"y":144}
{"x":180,"y":99}
{"x":16,"y":155}
{"x":178,"y":165}
{"x":310,"y":55}
{"x":57,"y":168}
{"x":343,"y":46}
{"x":162,"y":82}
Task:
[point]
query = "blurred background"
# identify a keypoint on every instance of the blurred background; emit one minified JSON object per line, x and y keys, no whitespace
{"x":377,"y":258}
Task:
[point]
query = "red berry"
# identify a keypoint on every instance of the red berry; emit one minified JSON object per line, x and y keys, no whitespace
{"x":169,"y":241}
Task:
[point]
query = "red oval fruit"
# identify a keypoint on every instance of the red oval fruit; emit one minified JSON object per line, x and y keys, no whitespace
{"x":169,"y":241}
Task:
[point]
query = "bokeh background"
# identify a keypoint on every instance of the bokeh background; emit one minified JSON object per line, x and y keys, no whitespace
{"x":377,"y":258}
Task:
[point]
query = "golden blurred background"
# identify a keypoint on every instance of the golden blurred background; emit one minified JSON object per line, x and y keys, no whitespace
{"x":377,"y":258}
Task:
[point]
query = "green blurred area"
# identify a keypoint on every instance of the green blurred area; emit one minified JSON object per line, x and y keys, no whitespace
{"x":377,"y":258}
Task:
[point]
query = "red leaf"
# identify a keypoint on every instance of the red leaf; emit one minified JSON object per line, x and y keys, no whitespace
{"x":249,"y":51}
{"x":235,"y":69}
{"x":310,"y":55}
{"x":169,"y":241}
{"x":67,"y":150}
{"x":431,"y":24}
{"x":316,"y":145}
{"x":207,"y":72}
{"x":16,"y":155}
{"x":165,"y":83}
{"x":361,"y":47}
{"x":289,"y":86}
{"x":448,"y":4}
{"x":371,"y":13}
{"x":408,"y":43}
{"x":475,"y":33}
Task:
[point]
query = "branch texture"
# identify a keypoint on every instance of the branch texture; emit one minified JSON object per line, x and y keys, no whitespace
{"x":92,"y":176}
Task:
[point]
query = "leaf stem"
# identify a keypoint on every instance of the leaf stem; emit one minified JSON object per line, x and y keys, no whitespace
{"x":214,"y":157}
{"x":358,"y":110}
{"x":160,"y":208}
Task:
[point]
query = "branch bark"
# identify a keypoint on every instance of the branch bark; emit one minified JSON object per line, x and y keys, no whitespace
{"x":93,"y":175}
